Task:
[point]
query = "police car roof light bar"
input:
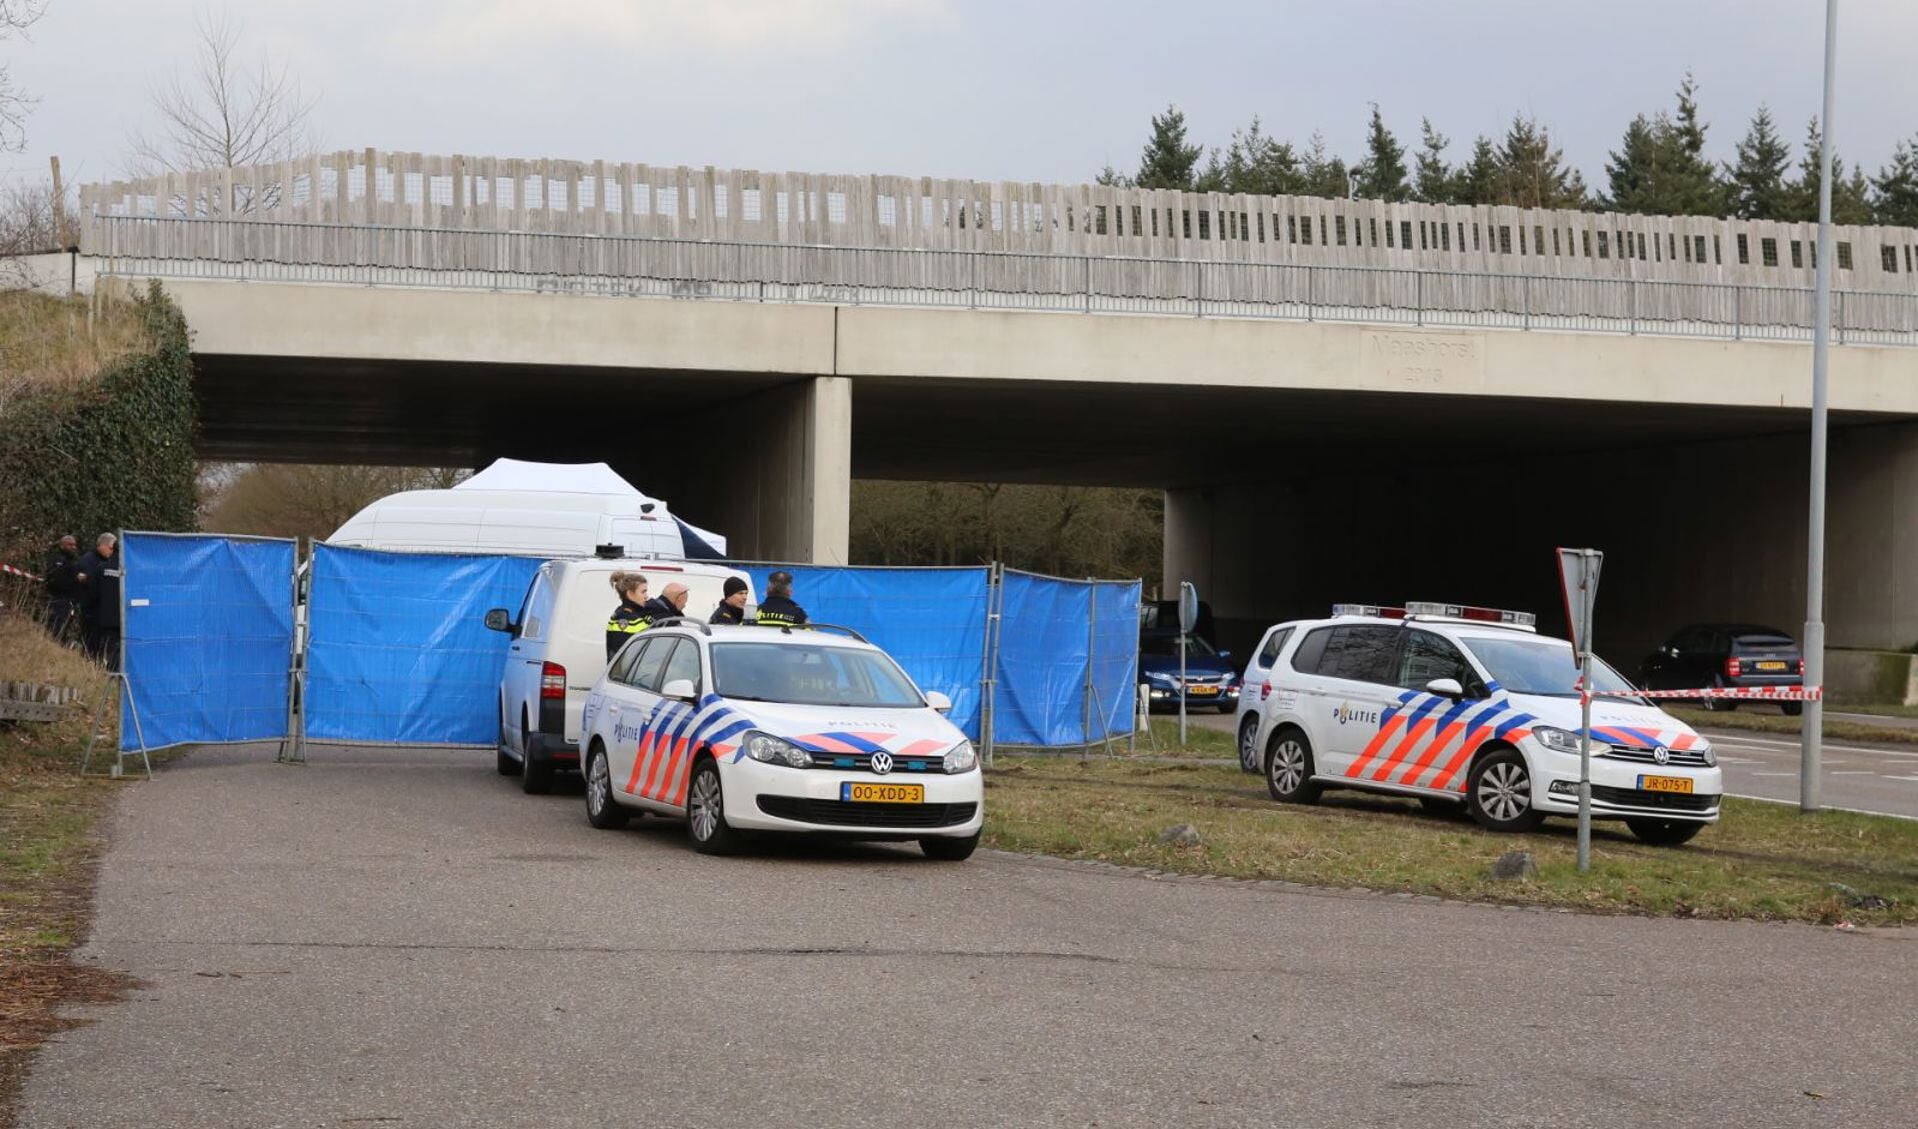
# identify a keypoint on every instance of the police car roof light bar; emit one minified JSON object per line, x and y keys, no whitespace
{"x":1373,"y":610}
{"x":1467,"y":612}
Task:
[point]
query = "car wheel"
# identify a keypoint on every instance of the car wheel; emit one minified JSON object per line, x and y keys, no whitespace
{"x":536,"y":771}
{"x":1718,"y":705}
{"x":1664,"y":832}
{"x":1498,"y":792}
{"x":947,"y":848}
{"x":1792,"y":709}
{"x":1249,"y":743}
{"x":1288,"y":768}
{"x":507,"y":764}
{"x":706,"y":812}
{"x":602,"y":811}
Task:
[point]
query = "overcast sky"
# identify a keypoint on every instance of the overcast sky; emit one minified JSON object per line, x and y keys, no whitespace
{"x":1036,"y":90}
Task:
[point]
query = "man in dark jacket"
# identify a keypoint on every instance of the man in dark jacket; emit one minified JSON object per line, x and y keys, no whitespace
{"x":732,"y":604}
{"x":63,"y":586}
{"x":99,"y":576}
{"x":778,"y":609}
{"x":669,"y":604}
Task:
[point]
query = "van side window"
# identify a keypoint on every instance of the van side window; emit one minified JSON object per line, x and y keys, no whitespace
{"x":1362,"y":653}
{"x":650,"y":665}
{"x":539,"y":608}
{"x":623,"y":665}
{"x":1311,"y":650}
{"x":1428,"y":656}
{"x":1274,"y":643}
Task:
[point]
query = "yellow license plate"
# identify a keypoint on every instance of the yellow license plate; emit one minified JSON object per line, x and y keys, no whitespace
{"x":1665,"y":784}
{"x":1201,"y":691}
{"x":886,"y":793}
{"x":1770,"y":665}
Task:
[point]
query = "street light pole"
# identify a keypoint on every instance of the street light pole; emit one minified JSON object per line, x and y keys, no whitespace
{"x":1812,"y":738}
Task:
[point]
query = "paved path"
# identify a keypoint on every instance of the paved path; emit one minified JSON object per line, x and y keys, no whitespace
{"x":406,"y":940}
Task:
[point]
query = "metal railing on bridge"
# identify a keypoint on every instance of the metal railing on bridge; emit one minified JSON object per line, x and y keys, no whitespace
{"x":644,"y":266}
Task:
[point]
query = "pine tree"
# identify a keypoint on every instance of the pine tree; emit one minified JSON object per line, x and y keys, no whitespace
{"x":1895,"y":188}
{"x":1381,"y":175}
{"x":1112,"y":178}
{"x":1532,"y":172}
{"x":1693,"y":187}
{"x":1478,"y":181}
{"x":1168,"y":161}
{"x":1634,"y":172}
{"x":1850,"y":192}
{"x":1322,"y":174}
{"x":1435,"y":182}
{"x":1758,"y":190}
{"x":1260,"y":165}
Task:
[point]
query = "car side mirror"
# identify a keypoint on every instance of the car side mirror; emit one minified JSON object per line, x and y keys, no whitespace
{"x":938,"y":701}
{"x":680,"y":688}
{"x":499,"y":619}
{"x":1445,"y":688}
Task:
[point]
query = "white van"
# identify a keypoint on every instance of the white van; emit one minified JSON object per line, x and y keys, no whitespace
{"x":523,"y":509}
{"x":559,"y":650}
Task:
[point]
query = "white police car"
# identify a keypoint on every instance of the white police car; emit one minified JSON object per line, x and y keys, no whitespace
{"x":741,"y":729}
{"x":1456,"y":704}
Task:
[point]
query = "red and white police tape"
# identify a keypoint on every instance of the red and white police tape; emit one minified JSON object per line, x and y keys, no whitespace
{"x":12,"y":571}
{"x":1738,"y":693}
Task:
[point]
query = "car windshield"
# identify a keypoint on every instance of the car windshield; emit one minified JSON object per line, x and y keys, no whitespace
{"x":1167,"y":646}
{"x":1541,"y":666}
{"x":811,"y":675}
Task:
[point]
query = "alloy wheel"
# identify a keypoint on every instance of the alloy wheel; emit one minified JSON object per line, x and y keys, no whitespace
{"x":704,"y":805}
{"x":1288,"y":765}
{"x":1505,"y":791}
{"x":599,"y":786}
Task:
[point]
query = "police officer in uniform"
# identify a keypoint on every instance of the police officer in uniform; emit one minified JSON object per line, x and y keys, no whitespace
{"x":778,"y":608}
{"x":732,"y":604}
{"x":632,"y":616}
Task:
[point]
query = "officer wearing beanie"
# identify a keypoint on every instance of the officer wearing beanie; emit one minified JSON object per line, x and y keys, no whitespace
{"x":732,"y":606}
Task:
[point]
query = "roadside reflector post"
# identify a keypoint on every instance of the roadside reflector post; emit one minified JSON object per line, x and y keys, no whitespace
{"x":1578,"y":579}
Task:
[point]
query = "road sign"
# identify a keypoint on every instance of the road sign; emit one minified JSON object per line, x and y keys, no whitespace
{"x":1578,"y":572}
{"x":1188,"y":607}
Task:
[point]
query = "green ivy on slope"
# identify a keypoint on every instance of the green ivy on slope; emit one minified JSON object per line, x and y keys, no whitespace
{"x":117,"y":452}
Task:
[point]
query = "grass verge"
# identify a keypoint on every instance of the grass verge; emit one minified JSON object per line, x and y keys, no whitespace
{"x":1761,"y":861}
{"x":48,"y":848}
{"x":1779,"y":723}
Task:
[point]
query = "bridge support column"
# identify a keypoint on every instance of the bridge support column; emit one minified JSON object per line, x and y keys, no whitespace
{"x":777,"y":472}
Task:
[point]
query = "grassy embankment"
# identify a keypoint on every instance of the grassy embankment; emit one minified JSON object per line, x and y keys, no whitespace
{"x":1761,"y":861}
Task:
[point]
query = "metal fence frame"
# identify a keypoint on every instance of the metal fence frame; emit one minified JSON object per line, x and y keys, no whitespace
{"x":688,"y":269}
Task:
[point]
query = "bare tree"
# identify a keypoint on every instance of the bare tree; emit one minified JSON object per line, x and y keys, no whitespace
{"x":16,"y":16}
{"x":225,"y":112}
{"x":28,"y":222}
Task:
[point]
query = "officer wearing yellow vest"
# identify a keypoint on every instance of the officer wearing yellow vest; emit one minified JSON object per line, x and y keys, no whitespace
{"x":632,"y":616}
{"x":778,"y":608}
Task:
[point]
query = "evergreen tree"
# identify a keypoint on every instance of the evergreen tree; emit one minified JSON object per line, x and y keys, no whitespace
{"x":1634,"y":172}
{"x":1532,"y":172}
{"x":1167,"y":161}
{"x":1258,"y":164}
{"x":1478,"y":181}
{"x":1381,"y":175}
{"x":1895,"y":188}
{"x":1435,"y":181}
{"x":1758,"y":190}
{"x":1850,"y":192}
{"x":1112,"y":178}
{"x":1693,"y":187}
{"x":1322,"y":174}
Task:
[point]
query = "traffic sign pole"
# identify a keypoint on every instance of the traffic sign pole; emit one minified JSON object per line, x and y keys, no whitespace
{"x":1587,"y":586}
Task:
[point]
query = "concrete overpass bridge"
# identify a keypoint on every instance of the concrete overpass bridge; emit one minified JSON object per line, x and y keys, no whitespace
{"x":1340,"y":399}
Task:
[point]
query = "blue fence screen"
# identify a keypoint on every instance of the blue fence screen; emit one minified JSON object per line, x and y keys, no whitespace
{"x":397,"y":650}
{"x":208,"y":632}
{"x":1053,"y":633}
{"x":932,"y":620}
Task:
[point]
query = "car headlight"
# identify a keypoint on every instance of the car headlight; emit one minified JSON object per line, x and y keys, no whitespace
{"x":1704,"y":749}
{"x":1161,"y":676}
{"x":962,"y":758}
{"x":772,"y":750}
{"x":1555,"y":739}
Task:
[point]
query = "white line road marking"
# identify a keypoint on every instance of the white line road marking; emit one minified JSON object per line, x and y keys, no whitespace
{"x":1854,"y":772}
{"x":1913,"y":779}
{"x":1794,"y":803}
{"x":1748,"y":744}
{"x":1739,"y":760}
{"x":1774,"y":774}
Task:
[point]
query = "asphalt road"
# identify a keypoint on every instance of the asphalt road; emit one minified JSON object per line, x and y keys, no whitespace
{"x":406,"y":940}
{"x":1857,"y":775}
